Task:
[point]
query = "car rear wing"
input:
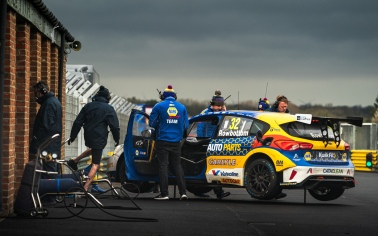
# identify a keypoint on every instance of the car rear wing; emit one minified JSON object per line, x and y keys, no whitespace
{"x":333,"y":123}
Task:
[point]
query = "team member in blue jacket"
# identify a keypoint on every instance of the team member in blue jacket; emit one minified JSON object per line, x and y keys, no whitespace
{"x":216,"y":104}
{"x":170,"y":120}
{"x":207,"y":130}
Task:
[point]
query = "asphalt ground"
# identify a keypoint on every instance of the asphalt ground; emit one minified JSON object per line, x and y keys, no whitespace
{"x":355,"y":213}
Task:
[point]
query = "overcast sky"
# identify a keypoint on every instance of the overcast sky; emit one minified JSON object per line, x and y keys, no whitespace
{"x":317,"y":52}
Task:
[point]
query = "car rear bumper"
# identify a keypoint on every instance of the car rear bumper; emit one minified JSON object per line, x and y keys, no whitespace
{"x":322,"y":181}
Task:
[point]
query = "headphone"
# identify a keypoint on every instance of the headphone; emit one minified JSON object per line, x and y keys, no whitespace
{"x":41,"y":87}
{"x":212,"y":102}
{"x":263,"y":104}
{"x":217,"y":94}
{"x":101,"y":92}
{"x":279,"y":99}
{"x":161,"y":96}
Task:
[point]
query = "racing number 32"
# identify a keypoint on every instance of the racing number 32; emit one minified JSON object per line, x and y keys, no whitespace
{"x":234,"y":124}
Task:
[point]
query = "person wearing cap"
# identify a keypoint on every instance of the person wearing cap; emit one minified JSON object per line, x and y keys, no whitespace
{"x":169,"y":118}
{"x":96,"y":117}
{"x":263,"y":104}
{"x":73,"y":164}
{"x":216,"y":104}
{"x":207,"y":130}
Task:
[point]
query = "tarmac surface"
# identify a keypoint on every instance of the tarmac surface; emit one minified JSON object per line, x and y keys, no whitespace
{"x":354,"y":213}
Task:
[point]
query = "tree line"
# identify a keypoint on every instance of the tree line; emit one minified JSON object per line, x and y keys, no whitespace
{"x":369,"y":113}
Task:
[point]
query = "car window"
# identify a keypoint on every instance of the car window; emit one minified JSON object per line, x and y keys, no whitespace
{"x":203,"y":128}
{"x":307,"y":131}
{"x":259,"y":126}
{"x":234,"y":126}
{"x":206,"y":129}
{"x":140,"y":124}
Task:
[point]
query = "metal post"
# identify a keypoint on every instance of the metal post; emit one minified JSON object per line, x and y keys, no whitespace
{"x":61,"y":64}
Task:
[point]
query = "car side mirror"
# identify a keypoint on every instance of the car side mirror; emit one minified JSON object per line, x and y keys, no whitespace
{"x":259,"y":136}
{"x":148,"y":133}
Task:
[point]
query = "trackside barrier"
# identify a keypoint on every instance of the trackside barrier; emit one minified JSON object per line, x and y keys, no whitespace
{"x":359,"y":160}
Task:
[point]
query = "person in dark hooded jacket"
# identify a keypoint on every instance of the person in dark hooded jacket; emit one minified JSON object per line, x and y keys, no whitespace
{"x":96,"y":117}
{"x":47,"y":123}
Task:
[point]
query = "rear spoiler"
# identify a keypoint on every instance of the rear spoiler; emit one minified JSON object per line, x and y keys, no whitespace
{"x":333,"y":123}
{"x":357,"y":121}
{"x":308,"y":119}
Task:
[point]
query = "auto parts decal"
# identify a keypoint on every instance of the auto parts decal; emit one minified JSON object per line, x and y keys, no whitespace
{"x":229,"y":146}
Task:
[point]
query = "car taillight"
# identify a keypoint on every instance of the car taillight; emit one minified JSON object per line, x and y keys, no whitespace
{"x":347,"y":147}
{"x":293,"y":145}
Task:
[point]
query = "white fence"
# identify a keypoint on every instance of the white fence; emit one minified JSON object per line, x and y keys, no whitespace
{"x":362,"y":138}
{"x":79,"y":91}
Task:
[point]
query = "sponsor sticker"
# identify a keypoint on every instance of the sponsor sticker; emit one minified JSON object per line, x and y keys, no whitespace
{"x":224,"y":173}
{"x":230,"y":181}
{"x":307,"y":156}
{"x":304,"y":118}
{"x":222,"y":162}
{"x":279,"y":163}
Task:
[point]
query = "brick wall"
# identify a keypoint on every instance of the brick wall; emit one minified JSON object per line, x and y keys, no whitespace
{"x":29,"y":58}
{"x":22,"y":99}
{"x":9,"y":113}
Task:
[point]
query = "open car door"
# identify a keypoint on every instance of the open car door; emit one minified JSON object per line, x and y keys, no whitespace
{"x":138,"y":148}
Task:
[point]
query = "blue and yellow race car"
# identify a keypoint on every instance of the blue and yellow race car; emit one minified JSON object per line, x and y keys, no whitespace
{"x":264,"y":152}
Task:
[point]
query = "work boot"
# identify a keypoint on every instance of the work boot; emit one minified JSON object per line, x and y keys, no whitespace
{"x":223,"y":194}
{"x":71,"y":163}
{"x":97,"y":189}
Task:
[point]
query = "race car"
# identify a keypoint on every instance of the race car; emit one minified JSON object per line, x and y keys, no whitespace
{"x":264,"y":152}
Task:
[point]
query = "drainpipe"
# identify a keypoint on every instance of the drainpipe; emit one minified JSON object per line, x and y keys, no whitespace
{"x":61,"y":63}
{"x":3,"y":24}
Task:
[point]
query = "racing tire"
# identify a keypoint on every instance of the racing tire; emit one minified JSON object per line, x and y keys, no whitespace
{"x":326,"y":193}
{"x":198,"y":190}
{"x":261,"y":180}
{"x":129,"y":185}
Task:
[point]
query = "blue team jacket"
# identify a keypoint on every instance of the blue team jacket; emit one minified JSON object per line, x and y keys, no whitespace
{"x":170,"y":120}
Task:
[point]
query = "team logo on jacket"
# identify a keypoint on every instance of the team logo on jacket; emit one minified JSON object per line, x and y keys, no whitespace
{"x":172,"y":111}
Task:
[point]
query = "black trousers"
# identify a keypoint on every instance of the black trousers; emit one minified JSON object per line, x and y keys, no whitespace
{"x":170,"y":153}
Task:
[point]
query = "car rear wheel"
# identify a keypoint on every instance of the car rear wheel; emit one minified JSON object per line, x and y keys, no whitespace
{"x":261,"y":180}
{"x":326,"y":193}
{"x":129,"y":185}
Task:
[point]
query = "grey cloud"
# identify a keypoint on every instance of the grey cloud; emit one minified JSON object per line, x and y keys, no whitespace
{"x":318,"y":44}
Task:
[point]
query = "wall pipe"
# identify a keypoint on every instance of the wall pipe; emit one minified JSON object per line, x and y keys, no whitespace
{"x":61,"y":64}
